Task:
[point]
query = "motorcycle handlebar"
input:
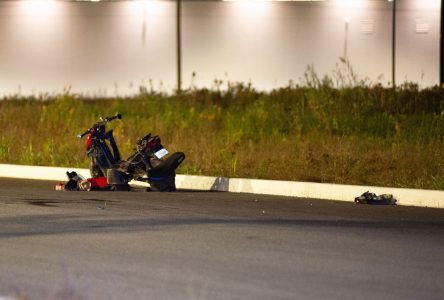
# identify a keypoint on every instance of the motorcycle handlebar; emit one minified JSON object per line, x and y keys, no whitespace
{"x":104,"y":120}
{"x":81,"y":135}
{"x":109,"y":119}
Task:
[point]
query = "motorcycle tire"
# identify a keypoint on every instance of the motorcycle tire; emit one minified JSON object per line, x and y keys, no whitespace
{"x":168,"y":184}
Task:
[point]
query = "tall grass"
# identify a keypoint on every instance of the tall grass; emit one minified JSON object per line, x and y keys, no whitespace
{"x":322,"y":132}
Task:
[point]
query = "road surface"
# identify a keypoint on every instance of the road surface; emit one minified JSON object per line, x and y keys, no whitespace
{"x":212,"y":245}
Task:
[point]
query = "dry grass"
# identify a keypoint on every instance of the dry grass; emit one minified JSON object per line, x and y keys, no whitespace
{"x":359,"y":135}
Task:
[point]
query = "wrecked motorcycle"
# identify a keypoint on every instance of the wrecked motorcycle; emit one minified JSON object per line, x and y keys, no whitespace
{"x":149,"y":163}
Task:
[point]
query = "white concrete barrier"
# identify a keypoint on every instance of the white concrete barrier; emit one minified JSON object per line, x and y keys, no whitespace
{"x":339,"y":192}
{"x":38,"y":172}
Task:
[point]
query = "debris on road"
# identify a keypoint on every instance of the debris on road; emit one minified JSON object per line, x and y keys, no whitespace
{"x":372,"y":198}
{"x":58,"y":187}
{"x":77,"y":182}
{"x":101,"y":206}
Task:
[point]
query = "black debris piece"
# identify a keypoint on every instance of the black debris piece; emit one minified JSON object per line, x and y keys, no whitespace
{"x":372,"y":198}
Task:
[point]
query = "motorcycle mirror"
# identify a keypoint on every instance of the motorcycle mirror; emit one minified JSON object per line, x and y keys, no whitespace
{"x":119,"y":116}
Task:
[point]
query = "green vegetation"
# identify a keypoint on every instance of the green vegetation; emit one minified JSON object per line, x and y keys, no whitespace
{"x":352,"y":135}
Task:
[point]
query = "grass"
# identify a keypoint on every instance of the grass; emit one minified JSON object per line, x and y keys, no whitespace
{"x":321,"y":132}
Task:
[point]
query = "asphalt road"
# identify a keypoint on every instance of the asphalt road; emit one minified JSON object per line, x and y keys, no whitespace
{"x":212,"y":245}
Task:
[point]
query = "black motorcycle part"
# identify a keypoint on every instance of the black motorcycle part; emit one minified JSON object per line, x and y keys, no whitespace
{"x":117,"y":181}
{"x":162,"y":176}
{"x":73,"y":181}
{"x":165,"y":167}
{"x":163,"y":184}
{"x":116,"y":153}
{"x":94,"y":169}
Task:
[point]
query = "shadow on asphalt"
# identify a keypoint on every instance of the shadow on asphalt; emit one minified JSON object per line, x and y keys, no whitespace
{"x":51,"y":224}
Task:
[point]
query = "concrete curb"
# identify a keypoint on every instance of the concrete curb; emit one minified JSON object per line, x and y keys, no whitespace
{"x":339,"y":192}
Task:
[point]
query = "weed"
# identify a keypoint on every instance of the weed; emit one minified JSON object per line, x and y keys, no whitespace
{"x":325,"y":131}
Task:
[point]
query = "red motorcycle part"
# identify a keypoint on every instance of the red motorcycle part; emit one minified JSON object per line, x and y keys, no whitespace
{"x":88,"y":142}
{"x":99,"y":182}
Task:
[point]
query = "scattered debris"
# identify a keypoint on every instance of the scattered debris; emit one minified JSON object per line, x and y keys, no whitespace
{"x":58,"y":187}
{"x":101,"y":206}
{"x":372,"y":198}
{"x":84,"y":185}
{"x":77,"y":182}
{"x":73,"y":181}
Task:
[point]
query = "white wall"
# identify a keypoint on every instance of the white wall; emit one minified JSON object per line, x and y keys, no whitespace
{"x":272,"y":43}
{"x":418,"y":35}
{"x":114,"y":47}
{"x":96,"y":48}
